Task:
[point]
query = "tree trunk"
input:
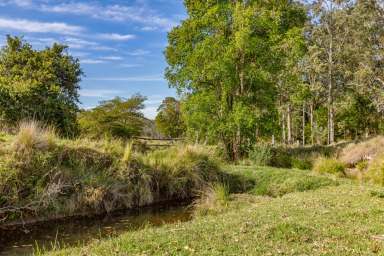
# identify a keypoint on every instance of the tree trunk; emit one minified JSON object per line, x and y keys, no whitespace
{"x":303,"y":119}
{"x":289,"y":125}
{"x":312,"y":124}
{"x":284,"y":138}
{"x":236,"y":145}
{"x":331,"y":125}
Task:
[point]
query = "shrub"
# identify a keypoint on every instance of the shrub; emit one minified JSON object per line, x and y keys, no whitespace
{"x":329,"y":165}
{"x":261,"y":155}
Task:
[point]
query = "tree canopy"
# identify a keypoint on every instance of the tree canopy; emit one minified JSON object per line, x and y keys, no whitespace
{"x":228,"y":54}
{"x":39,"y":84}
{"x":118,"y":118}
{"x":168,"y":120}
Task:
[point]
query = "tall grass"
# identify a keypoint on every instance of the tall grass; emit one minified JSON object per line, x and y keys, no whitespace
{"x":32,"y":135}
{"x":46,"y":175}
{"x":329,"y":165}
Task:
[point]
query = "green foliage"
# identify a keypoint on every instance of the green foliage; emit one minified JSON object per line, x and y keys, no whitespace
{"x":168,"y":120}
{"x":223,"y":58}
{"x":40,"y":85}
{"x":329,"y":165}
{"x":116,"y":118}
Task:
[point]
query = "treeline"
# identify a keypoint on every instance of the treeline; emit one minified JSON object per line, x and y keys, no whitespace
{"x":280,"y":71}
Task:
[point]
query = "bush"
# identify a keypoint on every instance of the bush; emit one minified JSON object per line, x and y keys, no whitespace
{"x":329,"y":165}
{"x":261,"y":155}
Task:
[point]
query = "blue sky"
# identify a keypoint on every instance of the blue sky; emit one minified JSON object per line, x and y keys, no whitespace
{"x":119,"y":43}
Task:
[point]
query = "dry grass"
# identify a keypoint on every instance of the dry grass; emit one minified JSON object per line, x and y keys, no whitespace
{"x":32,"y":135}
{"x":354,"y":153}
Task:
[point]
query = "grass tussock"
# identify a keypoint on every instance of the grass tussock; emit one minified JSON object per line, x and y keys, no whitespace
{"x":213,"y":199}
{"x":329,"y":165}
{"x":33,"y":136}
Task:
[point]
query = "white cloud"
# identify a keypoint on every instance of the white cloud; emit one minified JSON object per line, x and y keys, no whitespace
{"x":139,"y":52}
{"x":39,"y":27}
{"x":131,"y":65}
{"x":91,"y":61}
{"x":128,"y":79}
{"x":150,"y":112}
{"x":99,"y":93}
{"x":117,"y":37}
{"x":135,"y":13}
{"x":111,"y":58}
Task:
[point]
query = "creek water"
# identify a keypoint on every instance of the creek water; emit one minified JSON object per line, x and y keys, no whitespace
{"x":80,"y":231}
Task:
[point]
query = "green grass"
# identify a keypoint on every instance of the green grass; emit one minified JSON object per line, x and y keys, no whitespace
{"x":329,"y":220}
{"x":277,"y":182}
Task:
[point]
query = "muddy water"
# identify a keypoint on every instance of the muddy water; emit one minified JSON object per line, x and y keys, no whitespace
{"x":50,"y":235}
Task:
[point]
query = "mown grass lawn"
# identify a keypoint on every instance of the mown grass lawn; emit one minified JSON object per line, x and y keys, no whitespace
{"x":336,"y":218}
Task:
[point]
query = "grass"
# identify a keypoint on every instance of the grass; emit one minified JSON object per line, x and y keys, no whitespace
{"x":329,"y":220}
{"x":42,"y":175}
{"x":329,"y":165}
{"x":276,"y":182}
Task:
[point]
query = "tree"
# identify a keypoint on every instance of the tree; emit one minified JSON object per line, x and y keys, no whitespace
{"x":168,"y":120}
{"x":41,"y":85}
{"x":225,"y":49}
{"x":119,"y":118}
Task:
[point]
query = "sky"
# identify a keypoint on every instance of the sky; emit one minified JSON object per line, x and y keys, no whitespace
{"x":119,"y":43}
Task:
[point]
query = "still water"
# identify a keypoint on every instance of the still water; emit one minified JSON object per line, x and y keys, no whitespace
{"x":84,"y":230}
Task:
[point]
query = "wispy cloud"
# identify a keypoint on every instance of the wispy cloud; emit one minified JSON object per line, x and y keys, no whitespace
{"x":117,"y":37}
{"x":91,"y":61}
{"x":111,"y":58}
{"x":155,"y":78}
{"x":138,"y":13}
{"x":139,"y":52}
{"x":31,"y":26}
{"x":99,"y":93}
{"x":125,"y":65}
